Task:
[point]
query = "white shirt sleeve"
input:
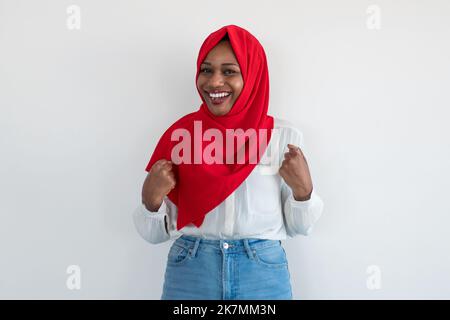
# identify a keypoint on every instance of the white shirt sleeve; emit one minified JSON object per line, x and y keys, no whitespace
{"x":299,"y":216}
{"x":152,"y":225}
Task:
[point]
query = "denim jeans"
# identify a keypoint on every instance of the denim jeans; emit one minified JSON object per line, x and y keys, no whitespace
{"x":201,"y":269}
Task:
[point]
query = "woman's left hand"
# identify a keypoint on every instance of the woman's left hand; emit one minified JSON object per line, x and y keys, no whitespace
{"x":295,"y":172}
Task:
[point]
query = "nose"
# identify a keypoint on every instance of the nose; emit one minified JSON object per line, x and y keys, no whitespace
{"x":216,"y":80}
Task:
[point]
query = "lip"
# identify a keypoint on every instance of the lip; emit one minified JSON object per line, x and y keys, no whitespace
{"x":217,"y":91}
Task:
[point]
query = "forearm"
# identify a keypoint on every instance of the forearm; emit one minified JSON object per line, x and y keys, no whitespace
{"x":301,"y":195}
{"x":152,"y":199}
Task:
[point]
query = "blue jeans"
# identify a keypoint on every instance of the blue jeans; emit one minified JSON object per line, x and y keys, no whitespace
{"x":200,"y":269}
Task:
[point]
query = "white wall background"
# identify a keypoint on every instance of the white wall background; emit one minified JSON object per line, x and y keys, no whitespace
{"x":81,"y":111}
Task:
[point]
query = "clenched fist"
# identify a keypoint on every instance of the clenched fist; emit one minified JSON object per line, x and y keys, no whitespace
{"x":295,"y":172}
{"x":159,"y":182}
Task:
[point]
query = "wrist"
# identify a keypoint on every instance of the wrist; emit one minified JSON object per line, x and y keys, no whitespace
{"x":153,"y":203}
{"x":301,"y":196}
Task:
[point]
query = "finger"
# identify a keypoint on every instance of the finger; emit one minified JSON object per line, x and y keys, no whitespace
{"x":293,"y":148}
{"x":167,"y":165}
{"x":170,"y":173}
{"x":302,"y":156}
{"x":173,"y":181}
{"x":167,"y":171}
{"x":288,"y":155}
{"x":158,"y":164}
{"x":172,"y":178}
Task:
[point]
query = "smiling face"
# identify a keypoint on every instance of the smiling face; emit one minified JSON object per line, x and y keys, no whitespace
{"x":220,"y":80}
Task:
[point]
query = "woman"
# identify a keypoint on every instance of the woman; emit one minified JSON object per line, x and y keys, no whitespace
{"x":228,"y":216}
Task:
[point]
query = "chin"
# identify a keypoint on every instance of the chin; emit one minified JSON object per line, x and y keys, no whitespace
{"x":218,"y":111}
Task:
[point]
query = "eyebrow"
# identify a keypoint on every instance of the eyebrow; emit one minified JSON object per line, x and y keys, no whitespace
{"x":224,"y":64}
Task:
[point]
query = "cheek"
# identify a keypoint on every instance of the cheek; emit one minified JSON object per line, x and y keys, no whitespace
{"x":200,"y":83}
{"x":238,"y":84}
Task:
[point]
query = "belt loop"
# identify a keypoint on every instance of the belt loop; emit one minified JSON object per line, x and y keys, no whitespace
{"x":194,"y":249}
{"x":248,"y":249}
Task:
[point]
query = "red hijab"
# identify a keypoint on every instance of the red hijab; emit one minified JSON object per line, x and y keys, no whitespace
{"x":202,"y":187}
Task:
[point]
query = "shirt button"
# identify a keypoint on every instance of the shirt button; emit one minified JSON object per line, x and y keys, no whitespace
{"x":225,"y":245}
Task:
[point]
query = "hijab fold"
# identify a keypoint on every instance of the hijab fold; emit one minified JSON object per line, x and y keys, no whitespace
{"x":202,"y":187}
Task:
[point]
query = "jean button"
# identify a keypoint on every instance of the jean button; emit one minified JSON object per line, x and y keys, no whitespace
{"x":225,"y":245}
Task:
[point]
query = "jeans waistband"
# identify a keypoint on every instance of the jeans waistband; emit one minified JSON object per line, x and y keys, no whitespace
{"x":240,"y":245}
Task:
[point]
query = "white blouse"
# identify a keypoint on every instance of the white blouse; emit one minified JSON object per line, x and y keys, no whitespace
{"x":262,"y":207}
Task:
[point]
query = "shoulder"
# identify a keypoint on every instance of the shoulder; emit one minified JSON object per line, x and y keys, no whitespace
{"x":287,"y":130}
{"x":283,"y":124}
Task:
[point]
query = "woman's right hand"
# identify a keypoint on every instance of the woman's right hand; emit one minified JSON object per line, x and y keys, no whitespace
{"x":159,"y":182}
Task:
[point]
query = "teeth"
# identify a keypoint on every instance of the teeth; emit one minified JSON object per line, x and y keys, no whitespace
{"x":219,"y":95}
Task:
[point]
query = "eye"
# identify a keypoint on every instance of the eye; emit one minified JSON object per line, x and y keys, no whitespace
{"x":229,"y":71}
{"x":204,"y":69}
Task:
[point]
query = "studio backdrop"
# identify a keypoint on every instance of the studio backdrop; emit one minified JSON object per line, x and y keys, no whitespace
{"x":87,"y":88}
